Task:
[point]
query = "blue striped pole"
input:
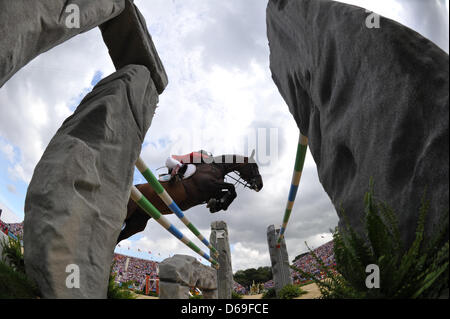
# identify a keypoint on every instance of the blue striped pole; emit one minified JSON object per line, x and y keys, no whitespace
{"x":143,"y":202}
{"x":298,"y":168}
{"x":165,"y":197}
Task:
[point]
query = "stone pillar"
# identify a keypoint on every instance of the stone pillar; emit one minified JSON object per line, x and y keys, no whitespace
{"x":179,"y":273}
{"x":41,"y":24}
{"x":279,"y":259}
{"x":219,"y":240}
{"x":395,"y":133}
{"x":77,"y":198}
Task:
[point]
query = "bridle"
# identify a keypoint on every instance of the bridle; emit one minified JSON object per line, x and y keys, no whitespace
{"x":246,"y":182}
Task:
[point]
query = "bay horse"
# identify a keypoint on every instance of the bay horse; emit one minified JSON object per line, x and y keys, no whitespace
{"x":207,"y":185}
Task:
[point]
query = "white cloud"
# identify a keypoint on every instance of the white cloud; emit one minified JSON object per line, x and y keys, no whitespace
{"x":11,"y":188}
{"x":7,"y":215}
{"x":244,"y":257}
{"x":430,"y":18}
{"x":8,"y":150}
{"x":220,"y":89}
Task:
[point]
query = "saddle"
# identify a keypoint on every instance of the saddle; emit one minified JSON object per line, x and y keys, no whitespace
{"x":187,"y":170}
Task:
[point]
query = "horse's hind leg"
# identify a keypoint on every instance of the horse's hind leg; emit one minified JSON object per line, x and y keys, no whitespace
{"x":135,"y":224}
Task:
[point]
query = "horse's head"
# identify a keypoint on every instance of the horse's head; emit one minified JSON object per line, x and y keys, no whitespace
{"x":249,"y":172}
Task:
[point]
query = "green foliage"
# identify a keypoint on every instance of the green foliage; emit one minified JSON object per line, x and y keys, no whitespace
{"x":14,"y":284}
{"x":12,"y":253}
{"x":196,"y":297}
{"x":290,"y":292}
{"x":117,"y":292}
{"x":269,"y":294}
{"x":235,"y":295}
{"x":421,"y":271}
{"x":249,"y":276}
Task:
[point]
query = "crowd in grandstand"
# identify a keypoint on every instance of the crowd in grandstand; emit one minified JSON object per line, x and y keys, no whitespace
{"x":239,"y":288}
{"x":3,"y":228}
{"x":308,"y":264}
{"x":15,"y":230}
{"x":269,"y":284}
{"x":138,"y":269}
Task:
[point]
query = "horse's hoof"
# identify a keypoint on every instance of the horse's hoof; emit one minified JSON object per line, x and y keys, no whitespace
{"x":212,"y":203}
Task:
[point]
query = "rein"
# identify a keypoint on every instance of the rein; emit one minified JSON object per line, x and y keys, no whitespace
{"x":238,"y":181}
{"x":233,"y":168}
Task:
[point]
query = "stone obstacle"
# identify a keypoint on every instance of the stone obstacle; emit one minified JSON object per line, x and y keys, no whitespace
{"x":76,"y":200}
{"x":279,"y":259}
{"x":179,"y":273}
{"x":165,"y":197}
{"x":298,"y":168}
{"x":148,"y":207}
{"x":219,"y":237}
{"x":395,"y":133}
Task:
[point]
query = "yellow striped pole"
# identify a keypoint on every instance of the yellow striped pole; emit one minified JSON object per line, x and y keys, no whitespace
{"x":298,"y":168}
{"x":170,"y":203}
{"x":151,"y":210}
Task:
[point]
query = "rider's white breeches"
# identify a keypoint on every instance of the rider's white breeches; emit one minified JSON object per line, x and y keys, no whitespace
{"x":172,"y":163}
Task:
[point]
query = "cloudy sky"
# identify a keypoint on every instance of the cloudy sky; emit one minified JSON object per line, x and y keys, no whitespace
{"x":220,"y":96}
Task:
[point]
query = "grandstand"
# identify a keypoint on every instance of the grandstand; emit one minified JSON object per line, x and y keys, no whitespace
{"x":135,"y":269}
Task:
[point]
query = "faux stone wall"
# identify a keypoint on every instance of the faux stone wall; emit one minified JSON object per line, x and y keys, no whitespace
{"x":180,"y":272}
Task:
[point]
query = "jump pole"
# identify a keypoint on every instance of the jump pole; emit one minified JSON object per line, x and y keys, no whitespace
{"x":165,"y":197}
{"x":143,"y":202}
{"x":298,"y":168}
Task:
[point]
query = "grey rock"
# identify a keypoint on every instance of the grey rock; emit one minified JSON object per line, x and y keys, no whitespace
{"x":171,"y":290}
{"x":29,"y":28}
{"x":185,"y":271}
{"x":77,"y":198}
{"x":129,"y":42}
{"x":219,"y":240}
{"x":373,"y":103}
{"x":279,"y":259}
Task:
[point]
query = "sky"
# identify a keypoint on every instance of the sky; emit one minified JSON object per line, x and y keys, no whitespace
{"x":220,"y":98}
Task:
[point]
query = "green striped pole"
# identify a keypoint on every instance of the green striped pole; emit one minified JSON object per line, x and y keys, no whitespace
{"x":298,"y":168}
{"x":143,"y":202}
{"x":165,"y":197}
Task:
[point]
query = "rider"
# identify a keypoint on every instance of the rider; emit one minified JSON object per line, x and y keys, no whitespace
{"x":177,"y":164}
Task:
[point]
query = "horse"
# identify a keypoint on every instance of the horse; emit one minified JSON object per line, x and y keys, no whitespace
{"x":207,"y":185}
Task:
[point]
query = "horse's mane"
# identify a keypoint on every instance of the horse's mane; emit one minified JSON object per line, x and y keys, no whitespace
{"x":232,"y":159}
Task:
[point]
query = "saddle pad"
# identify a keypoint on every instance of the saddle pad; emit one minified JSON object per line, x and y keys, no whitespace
{"x":190,"y":171}
{"x":164,"y":177}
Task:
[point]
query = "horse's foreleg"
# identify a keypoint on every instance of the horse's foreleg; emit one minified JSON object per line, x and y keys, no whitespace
{"x":226,"y":199}
{"x":134,"y":224}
